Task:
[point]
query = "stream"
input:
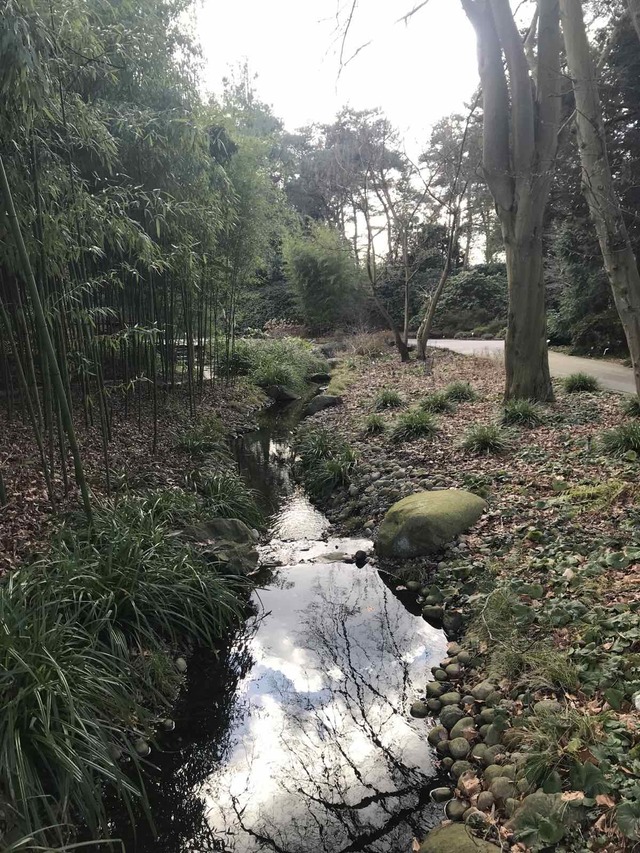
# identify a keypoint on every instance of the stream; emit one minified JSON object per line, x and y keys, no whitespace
{"x":295,"y":735}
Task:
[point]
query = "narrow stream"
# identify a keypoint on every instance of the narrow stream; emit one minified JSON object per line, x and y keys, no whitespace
{"x":296,"y":736}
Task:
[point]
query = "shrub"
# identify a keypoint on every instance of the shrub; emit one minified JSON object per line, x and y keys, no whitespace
{"x":388,"y":399}
{"x":370,"y":344}
{"x":622,"y":440}
{"x":415,"y":423}
{"x":282,"y":361}
{"x":325,"y":460}
{"x":578,"y":383}
{"x":460,"y":392}
{"x":374,"y":425}
{"x":486,"y":438}
{"x":437,"y":402}
{"x":83,"y":633}
{"x":631,"y":407}
{"x":522,"y":413}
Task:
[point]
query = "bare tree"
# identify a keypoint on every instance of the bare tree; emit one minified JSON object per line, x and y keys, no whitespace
{"x":521,"y":122}
{"x":597,"y":181}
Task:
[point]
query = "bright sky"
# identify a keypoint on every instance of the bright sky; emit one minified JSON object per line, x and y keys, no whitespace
{"x":416,"y":72}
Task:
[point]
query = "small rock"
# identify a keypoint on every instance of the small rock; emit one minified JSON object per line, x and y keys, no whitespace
{"x":437,"y":734}
{"x":452,"y":698}
{"x":493,"y":735}
{"x":453,"y":670}
{"x":462,"y":727}
{"x":502,"y":788}
{"x":181,"y":665}
{"x":434,"y":689}
{"x":482,"y":690}
{"x":486,"y":801}
{"x":475,"y":818}
{"x":434,"y":705}
{"x":459,"y":747}
{"x":459,"y":767}
{"x":455,"y":809}
{"x":547,"y":706}
{"x":419,"y":709}
{"x":141,"y":746}
{"x":441,"y":795}
{"x":450,"y":715}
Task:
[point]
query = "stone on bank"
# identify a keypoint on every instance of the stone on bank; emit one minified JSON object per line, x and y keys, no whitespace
{"x":425,"y":522}
{"x":455,"y":838}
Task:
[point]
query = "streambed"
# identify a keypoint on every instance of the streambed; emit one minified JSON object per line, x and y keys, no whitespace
{"x":295,"y":736}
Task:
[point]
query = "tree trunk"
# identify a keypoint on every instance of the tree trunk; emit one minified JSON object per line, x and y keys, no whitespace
{"x":526,"y":357}
{"x":634,"y":11}
{"x":597,"y":182}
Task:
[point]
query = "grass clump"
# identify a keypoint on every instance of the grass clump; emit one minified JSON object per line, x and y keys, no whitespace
{"x":225,"y":494}
{"x":342,"y":377}
{"x":86,"y":650}
{"x":578,"y":383}
{"x":437,"y":402}
{"x":460,"y":392}
{"x":486,"y":438}
{"x":325,"y":461}
{"x":522,"y":413}
{"x":205,"y":435}
{"x":374,"y":425}
{"x":415,"y":424}
{"x":388,"y":399}
{"x":631,"y":407}
{"x":623,"y":440}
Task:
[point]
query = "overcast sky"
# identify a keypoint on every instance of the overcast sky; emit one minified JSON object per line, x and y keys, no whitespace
{"x":416,"y":72}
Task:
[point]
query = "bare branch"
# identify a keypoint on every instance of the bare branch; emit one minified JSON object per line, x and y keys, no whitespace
{"x":405,"y":18}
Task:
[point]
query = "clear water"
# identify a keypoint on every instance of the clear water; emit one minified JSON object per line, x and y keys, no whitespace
{"x":296,"y":735}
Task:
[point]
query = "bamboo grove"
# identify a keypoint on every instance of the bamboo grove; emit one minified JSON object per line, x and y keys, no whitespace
{"x":134,"y":213}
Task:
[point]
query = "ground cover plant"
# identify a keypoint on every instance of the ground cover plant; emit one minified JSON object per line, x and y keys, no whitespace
{"x":387,"y":398}
{"x":413,"y":424}
{"x":438,"y":402}
{"x":486,"y":438}
{"x":276,"y":361}
{"x":631,"y":407}
{"x":522,"y":413}
{"x":374,"y":424}
{"x":460,"y":392}
{"x":325,"y":460}
{"x":580,"y":383}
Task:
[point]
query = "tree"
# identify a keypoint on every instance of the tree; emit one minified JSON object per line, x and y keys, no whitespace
{"x":521,"y":122}
{"x":597,"y":180}
{"x":634,"y":11}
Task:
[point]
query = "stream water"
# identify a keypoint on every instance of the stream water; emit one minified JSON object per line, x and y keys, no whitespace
{"x":295,"y":736}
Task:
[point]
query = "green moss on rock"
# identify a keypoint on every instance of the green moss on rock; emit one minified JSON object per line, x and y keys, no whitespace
{"x":423,"y":523}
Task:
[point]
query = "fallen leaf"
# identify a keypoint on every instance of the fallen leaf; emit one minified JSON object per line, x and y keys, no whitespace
{"x":605,"y":800}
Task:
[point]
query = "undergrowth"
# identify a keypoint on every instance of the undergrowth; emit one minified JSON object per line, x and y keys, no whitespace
{"x":374,"y":425}
{"x":460,"y":392}
{"x":437,"y":402}
{"x":325,"y":461}
{"x":415,"y":423}
{"x":623,"y":440}
{"x":388,"y":399}
{"x":282,"y":361}
{"x":522,"y":413}
{"x":486,"y":438}
{"x":578,"y":383}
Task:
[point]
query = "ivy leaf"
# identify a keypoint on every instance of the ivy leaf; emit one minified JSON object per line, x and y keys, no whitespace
{"x":614,"y":697}
{"x":628,"y":819}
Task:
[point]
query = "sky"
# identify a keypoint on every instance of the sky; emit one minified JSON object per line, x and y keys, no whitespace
{"x":416,"y":72}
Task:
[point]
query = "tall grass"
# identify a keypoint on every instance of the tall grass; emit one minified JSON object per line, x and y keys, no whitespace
{"x":285,"y":361}
{"x":579,"y":383}
{"x":416,"y":423}
{"x":83,"y":632}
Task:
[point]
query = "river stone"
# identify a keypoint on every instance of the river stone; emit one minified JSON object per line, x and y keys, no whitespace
{"x":459,"y":767}
{"x":453,"y":670}
{"x":459,"y":747}
{"x":479,"y":751}
{"x":450,"y":715}
{"x":455,"y":809}
{"x":502,"y":788}
{"x":280,"y":393}
{"x":494,"y":770}
{"x":455,"y":838}
{"x":424,"y":522}
{"x":434,"y":689}
{"x":440,"y":675}
{"x":465,"y":658}
{"x":452,"y":621}
{"x":486,"y":801}
{"x":493,"y":735}
{"x":442,"y":747}
{"x":452,"y":698}
{"x":475,"y":818}
{"x":434,"y":705}
{"x":491,"y":754}
{"x":433,"y":613}
{"x":419,"y":709}
{"x":441,"y":795}
{"x":233,"y":558}
{"x":319,"y":403}
{"x":482,"y":690}
{"x":437,"y":734}
{"x":222,"y":530}
{"x":547,"y":706}
{"x":319,"y":378}
{"x":488,"y":715}
{"x":461,"y":726}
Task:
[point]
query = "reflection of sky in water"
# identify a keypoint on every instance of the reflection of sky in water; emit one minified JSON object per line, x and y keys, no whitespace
{"x":323,"y":738}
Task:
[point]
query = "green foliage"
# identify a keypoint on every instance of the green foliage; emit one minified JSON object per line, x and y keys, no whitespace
{"x":325,"y":461}
{"x":460,"y":392}
{"x":374,"y":425}
{"x":416,"y":423}
{"x":388,"y":399}
{"x":578,"y":383}
{"x":281,"y":361}
{"x":438,"y":402}
{"x":486,"y":438}
{"x":323,"y":274}
{"x":204,"y":435}
{"x":631,"y":407}
{"x":473,"y":298}
{"x":522,"y":413}
{"x":84,"y":629}
{"x":623,"y":440}
{"x":226,"y":495}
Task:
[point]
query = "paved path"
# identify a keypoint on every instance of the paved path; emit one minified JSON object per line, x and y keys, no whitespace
{"x":613,"y":376}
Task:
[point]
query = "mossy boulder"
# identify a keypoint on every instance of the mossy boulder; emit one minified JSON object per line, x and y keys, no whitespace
{"x":222,"y":530}
{"x":320,"y":403}
{"x":423,"y":523}
{"x":455,"y":838}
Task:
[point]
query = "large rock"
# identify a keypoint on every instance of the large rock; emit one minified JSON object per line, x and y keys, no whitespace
{"x":319,"y":403}
{"x":280,"y":393}
{"x":223,"y":530}
{"x":455,"y":838}
{"x":423,"y":523}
